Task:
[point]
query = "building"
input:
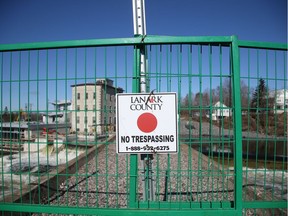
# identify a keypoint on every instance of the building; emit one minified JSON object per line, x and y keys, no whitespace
{"x":62,"y":113}
{"x":20,"y":131}
{"x":93,"y":106}
{"x":220,"y":110}
{"x":280,"y":100}
{"x":62,"y":105}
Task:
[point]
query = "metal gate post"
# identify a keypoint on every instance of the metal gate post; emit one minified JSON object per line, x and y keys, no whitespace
{"x":238,"y":166}
{"x":139,"y":21}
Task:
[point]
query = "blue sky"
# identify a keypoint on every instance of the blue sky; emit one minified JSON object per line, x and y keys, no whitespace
{"x":46,"y":20}
{"x":41,"y":20}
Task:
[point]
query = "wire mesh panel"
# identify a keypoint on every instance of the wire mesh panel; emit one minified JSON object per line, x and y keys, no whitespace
{"x":58,"y":125}
{"x":264,"y":115}
{"x":194,"y":174}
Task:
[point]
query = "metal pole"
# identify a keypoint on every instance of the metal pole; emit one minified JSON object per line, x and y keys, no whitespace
{"x":140,"y":30}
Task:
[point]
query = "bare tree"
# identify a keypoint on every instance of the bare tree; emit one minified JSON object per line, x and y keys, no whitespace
{"x":202,"y":99}
{"x":188,"y":100}
{"x":244,"y":91}
{"x":186,"y":104}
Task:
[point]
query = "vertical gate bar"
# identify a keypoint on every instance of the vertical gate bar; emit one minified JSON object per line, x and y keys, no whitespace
{"x":200,"y":163}
{"x":19,"y":113}
{"x":158,"y":86}
{"x":258,"y":124}
{"x":86,"y":125}
{"x":28,"y":113}
{"x":220,"y":144}
{"x":1,"y":123}
{"x":266,"y":126}
{"x":275,"y":131}
{"x":169,"y":71}
{"x":168,"y":79}
{"x":237,"y":125}
{"x":65,"y":182}
{"x":285,"y":120}
{"x":190,"y":113}
{"x":179,"y":171}
{"x":104,"y":111}
{"x":56,"y":99}
{"x":37,"y":107}
{"x":230,"y":80}
{"x":126,"y":157}
{"x":10,"y":103}
{"x":76,"y":114}
{"x":46,"y":111}
{"x":96,"y":120}
{"x":267,"y":111}
{"x":134,"y":157}
{"x":116,"y":159}
{"x":211,"y":139}
{"x":248,"y":123}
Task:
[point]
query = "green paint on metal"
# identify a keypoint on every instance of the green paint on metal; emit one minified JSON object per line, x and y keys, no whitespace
{"x":238,"y":126}
{"x":229,"y":165}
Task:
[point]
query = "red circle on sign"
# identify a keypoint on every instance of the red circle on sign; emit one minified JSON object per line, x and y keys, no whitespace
{"x":147,"y":122}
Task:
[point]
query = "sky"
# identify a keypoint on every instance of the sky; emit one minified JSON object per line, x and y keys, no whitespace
{"x":51,"y":20}
{"x":43,"y":78}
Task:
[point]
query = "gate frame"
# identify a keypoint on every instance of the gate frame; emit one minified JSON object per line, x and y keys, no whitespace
{"x":134,"y":206}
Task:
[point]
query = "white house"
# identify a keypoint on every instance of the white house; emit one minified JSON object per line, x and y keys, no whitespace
{"x":220,"y":110}
{"x":281,"y":100}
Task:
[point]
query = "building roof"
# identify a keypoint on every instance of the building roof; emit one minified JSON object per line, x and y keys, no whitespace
{"x":219,"y":104}
{"x":14,"y":124}
{"x":51,"y":114}
{"x":279,"y":92}
{"x":84,"y":84}
{"x":100,"y":82}
{"x":61,"y":102}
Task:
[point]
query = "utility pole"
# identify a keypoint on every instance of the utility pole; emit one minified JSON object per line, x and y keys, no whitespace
{"x":139,"y":21}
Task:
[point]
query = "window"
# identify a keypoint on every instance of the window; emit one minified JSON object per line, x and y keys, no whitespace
{"x":86,"y":95}
{"x":110,"y":109}
{"x":86,"y":107}
{"x":85,"y":119}
{"x":94,"y":95}
{"x":94,"y":119}
{"x":78,"y":119}
{"x":78,"y":107}
{"x":78,"y":96}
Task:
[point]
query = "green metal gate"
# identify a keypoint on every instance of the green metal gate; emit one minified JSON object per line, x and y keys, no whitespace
{"x":58,"y":152}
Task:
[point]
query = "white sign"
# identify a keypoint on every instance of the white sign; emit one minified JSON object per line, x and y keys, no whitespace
{"x":146,"y":123}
